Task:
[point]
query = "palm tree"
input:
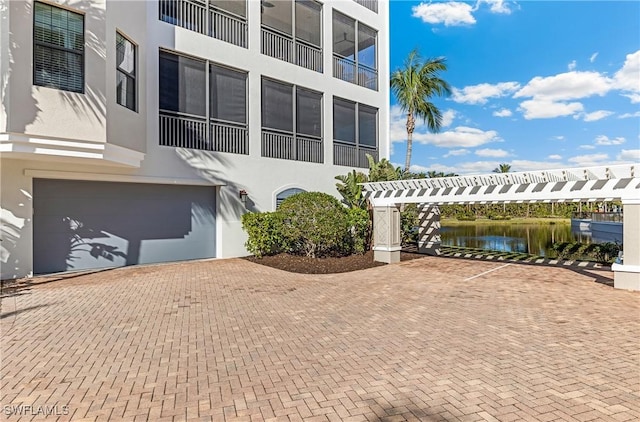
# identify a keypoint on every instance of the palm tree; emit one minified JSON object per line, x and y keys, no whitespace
{"x":413,"y":86}
{"x":502,"y":168}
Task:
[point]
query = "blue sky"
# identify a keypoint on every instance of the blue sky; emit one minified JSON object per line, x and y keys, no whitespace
{"x":537,"y":84}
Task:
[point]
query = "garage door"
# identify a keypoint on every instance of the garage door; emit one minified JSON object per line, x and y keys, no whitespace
{"x":81,"y":225}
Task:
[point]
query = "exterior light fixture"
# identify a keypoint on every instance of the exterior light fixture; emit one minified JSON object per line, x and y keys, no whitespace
{"x":243,"y":196}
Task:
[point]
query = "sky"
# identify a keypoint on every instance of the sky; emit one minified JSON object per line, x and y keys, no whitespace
{"x":536,"y":84}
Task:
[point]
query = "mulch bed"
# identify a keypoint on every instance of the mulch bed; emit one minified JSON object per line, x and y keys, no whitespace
{"x":330,"y":265}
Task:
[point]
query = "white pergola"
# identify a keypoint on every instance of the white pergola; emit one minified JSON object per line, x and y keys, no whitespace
{"x":587,"y":184}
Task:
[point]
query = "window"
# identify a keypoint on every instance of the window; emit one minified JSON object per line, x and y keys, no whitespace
{"x":126,"y":72}
{"x":354,"y":52}
{"x":58,"y":51}
{"x":228,"y":94}
{"x":291,"y":31}
{"x":285,"y":194}
{"x":355,"y":133}
{"x":192,"y":116}
{"x":183,"y":82}
{"x":291,"y":122}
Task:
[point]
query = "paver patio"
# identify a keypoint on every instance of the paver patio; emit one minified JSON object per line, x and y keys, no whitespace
{"x":228,"y":340}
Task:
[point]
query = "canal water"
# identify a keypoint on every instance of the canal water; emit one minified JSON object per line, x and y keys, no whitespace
{"x":535,"y":239}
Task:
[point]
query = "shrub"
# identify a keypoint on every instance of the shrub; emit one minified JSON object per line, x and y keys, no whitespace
{"x":316,"y":224}
{"x":360,"y":224}
{"x":266,"y":233}
{"x":408,"y":224}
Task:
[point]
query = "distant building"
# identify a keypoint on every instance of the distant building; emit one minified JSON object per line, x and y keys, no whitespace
{"x":129,"y":129}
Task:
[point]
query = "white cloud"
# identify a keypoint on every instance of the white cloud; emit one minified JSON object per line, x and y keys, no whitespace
{"x":566,"y":86}
{"x":628,"y":77}
{"x":587,"y":147}
{"x":459,"y":137}
{"x":629,"y":155}
{"x":505,"y":112}
{"x":530,"y":165}
{"x":450,"y":13}
{"x":545,"y":109}
{"x":588,"y":160}
{"x":572,"y":65}
{"x":555,"y":157}
{"x":593,"y":57}
{"x":627,"y":115}
{"x":494,"y":153}
{"x":635,"y":98}
{"x":496,"y":6}
{"x":448,"y":117}
{"x":596,"y":115}
{"x":559,"y":138}
{"x":479,"y":94}
{"x":454,"y":13}
{"x":456,"y":152}
{"x":604,"y":140}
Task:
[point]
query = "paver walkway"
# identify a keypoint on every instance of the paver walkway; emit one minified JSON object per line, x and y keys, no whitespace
{"x":432,"y":339}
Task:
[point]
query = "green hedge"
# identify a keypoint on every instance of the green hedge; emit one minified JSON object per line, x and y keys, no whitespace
{"x":308,"y":223}
{"x":265,"y":232}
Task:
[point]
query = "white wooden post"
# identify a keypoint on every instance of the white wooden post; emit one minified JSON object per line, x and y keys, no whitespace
{"x":386,"y":234}
{"x":627,"y":274}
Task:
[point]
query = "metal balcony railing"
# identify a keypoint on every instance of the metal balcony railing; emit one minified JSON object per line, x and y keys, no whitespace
{"x":284,"y":47}
{"x":350,"y":155}
{"x":201,"y":17}
{"x":184,"y":131}
{"x":369,"y":4}
{"x":350,"y":71}
{"x":283,"y":145}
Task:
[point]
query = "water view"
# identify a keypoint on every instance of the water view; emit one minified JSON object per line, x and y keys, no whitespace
{"x":535,"y":239}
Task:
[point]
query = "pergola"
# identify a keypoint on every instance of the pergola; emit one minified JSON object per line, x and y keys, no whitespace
{"x":587,"y":184}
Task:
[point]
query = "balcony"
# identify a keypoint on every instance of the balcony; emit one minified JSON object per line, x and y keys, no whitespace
{"x":369,"y":4}
{"x":284,"y":47}
{"x":359,"y":74}
{"x":283,"y":145}
{"x":202,"y":17}
{"x":182,"y":131}
{"x":350,"y":155}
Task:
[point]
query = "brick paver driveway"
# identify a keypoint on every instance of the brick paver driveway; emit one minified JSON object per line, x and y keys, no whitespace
{"x":431,"y":340}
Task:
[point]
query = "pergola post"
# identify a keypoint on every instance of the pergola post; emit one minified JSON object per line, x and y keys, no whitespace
{"x":429,"y":231}
{"x":386,"y":234}
{"x":627,"y":274}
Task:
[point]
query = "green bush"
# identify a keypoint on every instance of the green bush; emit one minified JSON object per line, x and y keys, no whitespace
{"x":316,"y":224}
{"x":360,"y":224}
{"x":266,"y":233}
{"x":408,"y":223}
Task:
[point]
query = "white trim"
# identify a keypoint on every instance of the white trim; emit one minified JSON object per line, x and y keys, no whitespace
{"x":11,"y":143}
{"x":605,"y":183}
{"x":625,"y":268}
{"x":106,"y":177}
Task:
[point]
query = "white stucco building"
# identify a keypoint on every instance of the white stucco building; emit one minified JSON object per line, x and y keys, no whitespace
{"x":129,"y":129}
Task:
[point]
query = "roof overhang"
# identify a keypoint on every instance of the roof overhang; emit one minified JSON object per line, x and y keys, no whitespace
{"x":28,"y":147}
{"x":603,"y":183}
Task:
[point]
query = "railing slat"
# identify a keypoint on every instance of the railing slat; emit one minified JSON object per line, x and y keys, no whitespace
{"x":290,"y":147}
{"x":292,"y":51}
{"x":198,"y":16}
{"x":352,"y":155}
{"x":348,"y":70}
{"x":188,"y":132}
